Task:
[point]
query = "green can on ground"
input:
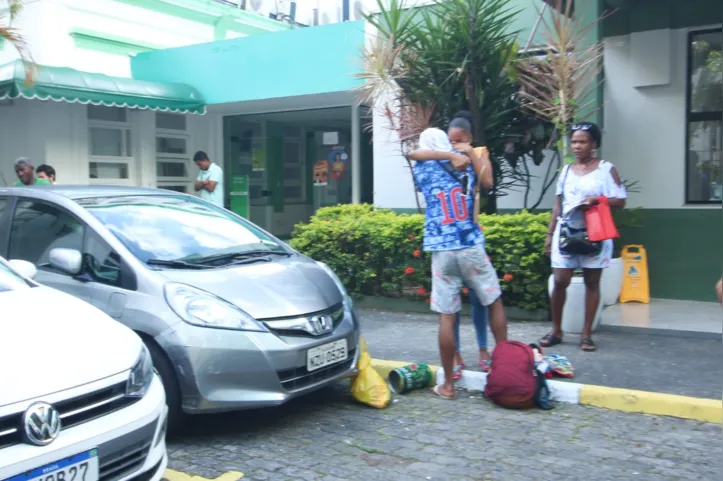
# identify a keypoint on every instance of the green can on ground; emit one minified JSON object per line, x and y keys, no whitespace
{"x":408,"y":378}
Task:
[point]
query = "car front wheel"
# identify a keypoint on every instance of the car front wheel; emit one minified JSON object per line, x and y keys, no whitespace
{"x":176,"y":417}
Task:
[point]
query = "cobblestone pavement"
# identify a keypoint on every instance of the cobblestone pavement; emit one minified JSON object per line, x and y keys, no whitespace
{"x":327,"y":436}
{"x":675,"y":365}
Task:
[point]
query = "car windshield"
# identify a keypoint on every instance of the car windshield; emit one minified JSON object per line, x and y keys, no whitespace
{"x":9,"y":280}
{"x":160,"y":229}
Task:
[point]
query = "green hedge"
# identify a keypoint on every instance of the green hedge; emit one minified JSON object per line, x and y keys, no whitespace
{"x":377,"y":252}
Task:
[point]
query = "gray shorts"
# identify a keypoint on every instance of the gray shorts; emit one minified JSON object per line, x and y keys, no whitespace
{"x":452,"y":269}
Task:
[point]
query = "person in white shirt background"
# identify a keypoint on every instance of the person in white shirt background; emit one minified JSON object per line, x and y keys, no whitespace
{"x":210,"y":179}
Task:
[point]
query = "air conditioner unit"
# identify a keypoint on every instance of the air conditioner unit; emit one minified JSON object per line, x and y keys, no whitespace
{"x":261,"y":7}
{"x":358,"y":11}
{"x":304,"y":12}
{"x":285,"y":10}
{"x":328,"y":15}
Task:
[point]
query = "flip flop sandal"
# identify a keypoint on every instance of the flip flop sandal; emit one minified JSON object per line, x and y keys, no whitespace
{"x":435,"y":390}
{"x":485,"y":365}
{"x":587,"y":345}
{"x":550,"y":340}
{"x":457,"y":373}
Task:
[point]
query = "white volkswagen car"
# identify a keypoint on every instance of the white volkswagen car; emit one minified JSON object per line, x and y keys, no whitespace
{"x":79,"y":400}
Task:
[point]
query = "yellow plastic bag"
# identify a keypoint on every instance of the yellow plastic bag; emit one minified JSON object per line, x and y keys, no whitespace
{"x":368,"y":386}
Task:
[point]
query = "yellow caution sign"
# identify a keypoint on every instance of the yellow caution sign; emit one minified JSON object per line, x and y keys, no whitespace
{"x":636,"y":286}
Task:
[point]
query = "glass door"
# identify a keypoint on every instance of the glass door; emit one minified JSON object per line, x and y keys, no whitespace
{"x":246,"y":170}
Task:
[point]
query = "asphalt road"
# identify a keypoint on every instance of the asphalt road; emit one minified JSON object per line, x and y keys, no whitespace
{"x":327,"y":436}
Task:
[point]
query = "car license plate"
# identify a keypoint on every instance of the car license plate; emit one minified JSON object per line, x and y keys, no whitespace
{"x":326,"y":355}
{"x":81,"y":467}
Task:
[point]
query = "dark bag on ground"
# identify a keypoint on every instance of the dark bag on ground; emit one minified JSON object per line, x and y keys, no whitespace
{"x":513,"y":381}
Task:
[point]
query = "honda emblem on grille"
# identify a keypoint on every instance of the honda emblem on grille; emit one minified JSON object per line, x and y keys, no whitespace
{"x":321,"y":325}
{"x":41,"y":424}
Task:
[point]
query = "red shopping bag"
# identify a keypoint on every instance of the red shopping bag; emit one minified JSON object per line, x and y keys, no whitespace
{"x":599,"y":222}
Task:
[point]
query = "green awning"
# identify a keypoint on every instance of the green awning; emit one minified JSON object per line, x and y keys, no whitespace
{"x":63,"y":84}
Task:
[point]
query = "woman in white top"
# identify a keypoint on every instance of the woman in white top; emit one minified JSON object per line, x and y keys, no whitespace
{"x":580,"y":186}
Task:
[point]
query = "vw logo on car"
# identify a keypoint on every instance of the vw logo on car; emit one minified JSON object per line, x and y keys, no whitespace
{"x":41,"y":424}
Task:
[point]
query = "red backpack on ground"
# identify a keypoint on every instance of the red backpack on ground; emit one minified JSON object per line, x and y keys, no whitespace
{"x":512,"y":381}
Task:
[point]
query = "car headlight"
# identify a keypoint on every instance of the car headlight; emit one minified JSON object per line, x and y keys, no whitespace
{"x":337,"y":281}
{"x":141,"y":375}
{"x":203,"y":309}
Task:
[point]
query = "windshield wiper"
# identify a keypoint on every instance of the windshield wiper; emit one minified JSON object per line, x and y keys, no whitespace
{"x":246,"y":255}
{"x":176,"y":264}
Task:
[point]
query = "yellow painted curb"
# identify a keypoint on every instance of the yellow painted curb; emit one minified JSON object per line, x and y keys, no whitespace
{"x":384,"y":367}
{"x":698,"y":409}
{"x":171,"y":475}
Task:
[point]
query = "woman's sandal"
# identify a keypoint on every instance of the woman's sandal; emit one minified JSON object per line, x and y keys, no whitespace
{"x":587,"y":345}
{"x":457,"y":373}
{"x":550,"y":340}
{"x":485,"y":365}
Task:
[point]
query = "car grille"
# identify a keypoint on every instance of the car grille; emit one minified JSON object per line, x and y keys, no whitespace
{"x":300,"y":377}
{"x":127,"y":454}
{"x":277,"y":325}
{"x":73,"y":411}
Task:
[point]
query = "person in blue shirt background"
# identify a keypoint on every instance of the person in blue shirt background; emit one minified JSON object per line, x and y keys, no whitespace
{"x":445,"y":172}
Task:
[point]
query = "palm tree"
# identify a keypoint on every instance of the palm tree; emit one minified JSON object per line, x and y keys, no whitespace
{"x":430,"y":62}
{"x":14,"y":38}
{"x":560,"y":85}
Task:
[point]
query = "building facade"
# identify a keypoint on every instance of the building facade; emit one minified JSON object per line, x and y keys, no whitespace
{"x":661,"y":112}
{"x":91,"y":43}
{"x":280,"y":114}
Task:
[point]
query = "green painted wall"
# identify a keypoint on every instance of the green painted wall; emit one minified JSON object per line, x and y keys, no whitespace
{"x":301,"y":61}
{"x":643,"y":15}
{"x":589,"y":12}
{"x":523,"y":23}
{"x":685,"y":251}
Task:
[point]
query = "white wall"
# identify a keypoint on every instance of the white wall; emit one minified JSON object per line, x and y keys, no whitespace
{"x":56,"y":133}
{"x":47,"y":26}
{"x":644,"y":116}
{"x":393,"y":184}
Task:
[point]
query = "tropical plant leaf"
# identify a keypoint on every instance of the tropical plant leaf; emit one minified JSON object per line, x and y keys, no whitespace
{"x":14,"y":38}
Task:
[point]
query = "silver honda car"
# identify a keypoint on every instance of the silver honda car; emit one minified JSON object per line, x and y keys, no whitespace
{"x":233,"y":317}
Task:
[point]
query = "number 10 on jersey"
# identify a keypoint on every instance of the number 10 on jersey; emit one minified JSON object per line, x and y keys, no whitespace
{"x":458,"y":203}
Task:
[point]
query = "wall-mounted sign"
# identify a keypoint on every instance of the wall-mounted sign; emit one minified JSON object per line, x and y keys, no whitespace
{"x":330,"y":138}
{"x":321,"y":173}
{"x":338,"y":159}
{"x":258,"y":159}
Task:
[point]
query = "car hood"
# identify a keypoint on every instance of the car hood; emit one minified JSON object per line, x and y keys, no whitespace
{"x":284,"y":287}
{"x":50,"y":342}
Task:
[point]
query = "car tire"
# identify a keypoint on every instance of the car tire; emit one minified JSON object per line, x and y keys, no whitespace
{"x":176,"y":417}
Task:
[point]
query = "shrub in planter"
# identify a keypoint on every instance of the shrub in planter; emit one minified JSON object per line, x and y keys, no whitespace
{"x":378,"y":252}
{"x":372,"y":251}
{"x":516,"y":245}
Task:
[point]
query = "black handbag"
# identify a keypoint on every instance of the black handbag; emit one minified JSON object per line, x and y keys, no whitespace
{"x":574,"y":242}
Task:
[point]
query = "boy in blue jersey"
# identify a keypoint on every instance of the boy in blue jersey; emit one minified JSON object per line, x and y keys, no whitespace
{"x":445,"y":172}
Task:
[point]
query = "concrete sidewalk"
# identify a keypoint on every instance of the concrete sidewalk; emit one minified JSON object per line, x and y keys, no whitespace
{"x":684,"y":366}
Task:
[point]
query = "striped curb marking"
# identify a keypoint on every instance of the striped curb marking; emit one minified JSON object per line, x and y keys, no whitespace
{"x":643,"y":402}
{"x":171,"y":475}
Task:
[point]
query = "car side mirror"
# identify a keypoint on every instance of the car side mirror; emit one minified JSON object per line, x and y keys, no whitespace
{"x":24,"y":268}
{"x":69,"y":261}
